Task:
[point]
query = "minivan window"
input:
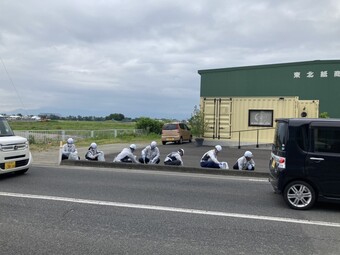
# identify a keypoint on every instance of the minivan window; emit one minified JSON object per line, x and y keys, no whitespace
{"x":326,"y":139}
{"x":280,"y":137}
{"x":302,"y":137}
{"x":5,"y":129}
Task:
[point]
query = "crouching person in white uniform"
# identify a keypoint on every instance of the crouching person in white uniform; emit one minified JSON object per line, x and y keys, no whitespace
{"x":126,"y":155}
{"x":245,"y":162}
{"x":209,"y":159}
{"x":150,"y":154}
{"x":69,"y":151}
{"x":174,"y":158}
{"x":94,"y":154}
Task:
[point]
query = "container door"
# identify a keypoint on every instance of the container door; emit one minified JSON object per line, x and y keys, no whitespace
{"x":217,"y":113}
{"x":308,"y":109}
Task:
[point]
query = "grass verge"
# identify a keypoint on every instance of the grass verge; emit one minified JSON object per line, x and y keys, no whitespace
{"x":86,"y":142}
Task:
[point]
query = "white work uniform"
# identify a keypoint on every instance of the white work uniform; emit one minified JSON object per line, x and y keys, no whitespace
{"x":152,"y":154}
{"x":210,"y":156}
{"x":125,"y":153}
{"x":173,"y":156}
{"x":70,"y":151}
{"x":244,"y":164}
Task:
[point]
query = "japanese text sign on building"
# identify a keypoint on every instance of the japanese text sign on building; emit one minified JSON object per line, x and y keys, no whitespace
{"x":312,"y":74}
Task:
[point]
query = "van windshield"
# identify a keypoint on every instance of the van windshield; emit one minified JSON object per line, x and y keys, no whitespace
{"x":280,"y":137}
{"x":5,"y":129}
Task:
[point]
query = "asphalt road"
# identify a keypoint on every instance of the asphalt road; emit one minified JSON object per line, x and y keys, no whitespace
{"x":63,"y":210}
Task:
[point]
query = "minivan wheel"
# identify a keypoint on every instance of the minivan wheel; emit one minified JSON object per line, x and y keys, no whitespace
{"x":180,"y":141}
{"x":163,"y":142}
{"x":299,"y":195}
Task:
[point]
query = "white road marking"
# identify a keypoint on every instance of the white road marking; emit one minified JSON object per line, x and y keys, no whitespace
{"x":171,"y":209}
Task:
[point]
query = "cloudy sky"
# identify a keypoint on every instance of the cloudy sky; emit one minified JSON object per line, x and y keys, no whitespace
{"x":140,"y":58}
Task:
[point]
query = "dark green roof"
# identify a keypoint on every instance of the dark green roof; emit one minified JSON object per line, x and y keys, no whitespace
{"x":303,"y":63}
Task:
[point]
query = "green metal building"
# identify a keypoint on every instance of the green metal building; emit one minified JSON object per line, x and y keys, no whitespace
{"x":310,"y":80}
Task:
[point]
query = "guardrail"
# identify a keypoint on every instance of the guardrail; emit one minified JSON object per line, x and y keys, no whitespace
{"x":45,"y":136}
{"x":253,"y":130}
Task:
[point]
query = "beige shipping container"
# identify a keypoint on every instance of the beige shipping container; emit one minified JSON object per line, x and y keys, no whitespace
{"x":251,"y":120}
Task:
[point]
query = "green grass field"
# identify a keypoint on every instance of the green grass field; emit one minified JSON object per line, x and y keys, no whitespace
{"x":82,"y":125}
{"x":70,"y":125}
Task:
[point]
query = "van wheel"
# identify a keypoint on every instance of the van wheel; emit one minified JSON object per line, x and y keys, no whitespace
{"x":180,"y":141}
{"x":163,"y":142}
{"x":299,"y":195}
{"x":190,"y":139}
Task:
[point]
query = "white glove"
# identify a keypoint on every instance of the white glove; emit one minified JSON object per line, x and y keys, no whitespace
{"x":224,"y":165}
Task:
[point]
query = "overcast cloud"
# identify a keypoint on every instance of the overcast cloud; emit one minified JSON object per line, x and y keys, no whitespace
{"x":140,"y":58}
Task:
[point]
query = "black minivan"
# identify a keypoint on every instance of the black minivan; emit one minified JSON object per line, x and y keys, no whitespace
{"x":305,"y":161}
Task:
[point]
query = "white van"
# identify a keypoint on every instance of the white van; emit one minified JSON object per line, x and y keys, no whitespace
{"x":15,"y":155}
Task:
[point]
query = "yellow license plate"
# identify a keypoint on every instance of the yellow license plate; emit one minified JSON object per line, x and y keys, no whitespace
{"x":273,"y":163}
{"x":10,"y":165}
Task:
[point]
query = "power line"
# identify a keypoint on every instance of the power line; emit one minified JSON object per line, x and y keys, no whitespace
{"x":12,"y":83}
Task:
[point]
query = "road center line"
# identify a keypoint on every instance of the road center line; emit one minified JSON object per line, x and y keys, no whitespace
{"x":171,"y":209}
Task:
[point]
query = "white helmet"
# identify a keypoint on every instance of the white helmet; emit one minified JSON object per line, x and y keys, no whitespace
{"x":218,"y":147}
{"x":153,"y":144}
{"x":248,"y":154}
{"x":181,"y":151}
{"x":133,"y":146}
{"x":93,"y":145}
{"x":70,"y":140}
